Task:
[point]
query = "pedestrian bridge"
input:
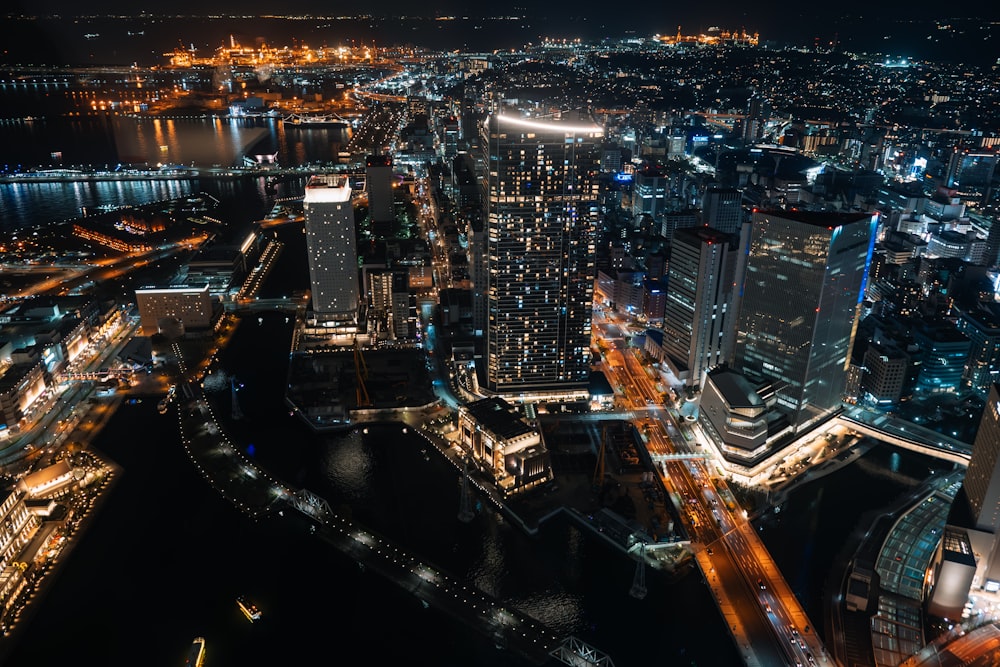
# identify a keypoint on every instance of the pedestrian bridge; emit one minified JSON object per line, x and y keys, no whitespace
{"x":908,"y":436}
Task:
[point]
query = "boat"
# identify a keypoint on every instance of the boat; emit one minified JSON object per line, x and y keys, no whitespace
{"x":248,"y":608}
{"x":196,"y":655}
{"x":317,"y":121}
{"x":161,"y":407}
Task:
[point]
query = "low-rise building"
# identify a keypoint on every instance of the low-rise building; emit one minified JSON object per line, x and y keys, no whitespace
{"x":504,"y":445}
{"x":175,"y":310}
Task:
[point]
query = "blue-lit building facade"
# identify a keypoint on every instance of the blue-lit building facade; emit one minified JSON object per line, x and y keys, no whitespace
{"x":944,"y":352}
{"x":542,"y":208}
{"x":982,"y":328}
{"x":805,"y":280}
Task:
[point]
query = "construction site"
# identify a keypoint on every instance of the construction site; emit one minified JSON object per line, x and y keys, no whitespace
{"x":330,"y":389}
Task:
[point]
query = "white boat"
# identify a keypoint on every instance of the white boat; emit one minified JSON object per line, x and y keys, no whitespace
{"x":317,"y":121}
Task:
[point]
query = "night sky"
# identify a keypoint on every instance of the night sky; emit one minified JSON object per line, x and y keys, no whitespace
{"x":914,"y":29}
{"x":724,"y":12}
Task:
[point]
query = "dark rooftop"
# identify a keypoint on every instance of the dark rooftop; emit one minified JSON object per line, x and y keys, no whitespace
{"x":817,"y":218}
{"x":497,"y":416}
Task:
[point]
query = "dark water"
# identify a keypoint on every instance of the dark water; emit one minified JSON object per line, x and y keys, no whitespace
{"x":109,"y":142}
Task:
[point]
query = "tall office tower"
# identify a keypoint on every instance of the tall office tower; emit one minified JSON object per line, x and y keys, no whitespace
{"x":982,"y":478}
{"x":969,"y":169}
{"x":378,"y":179}
{"x":753,"y":124}
{"x":974,"y":559}
{"x":389,"y":293}
{"x":450,"y":130}
{"x":991,"y":255}
{"x":478,"y":237}
{"x":542,"y":193}
{"x":402,"y":312}
{"x":722,"y":209}
{"x":331,"y":245}
{"x":698,"y":323}
{"x":982,"y":327}
{"x":804,"y":284}
{"x":649,"y":192}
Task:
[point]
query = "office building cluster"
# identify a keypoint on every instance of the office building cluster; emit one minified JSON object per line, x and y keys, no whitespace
{"x":781,"y":269}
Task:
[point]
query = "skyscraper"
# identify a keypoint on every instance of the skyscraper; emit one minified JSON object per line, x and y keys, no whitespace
{"x":650,"y":190}
{"x":982,"y":478}
{"x":969,"y":168}
{"x":805,"y":280}
{"x":698,"y":323}
{"x":378,"y":180}
{"x":970,"y":174}
{"x":542,"y":192}
{"x":973,"y":560}
{"x":331,"y":246}
{"x":722,"y":209}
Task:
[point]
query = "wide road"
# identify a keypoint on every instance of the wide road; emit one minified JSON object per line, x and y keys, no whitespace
{"x":766,"y":619}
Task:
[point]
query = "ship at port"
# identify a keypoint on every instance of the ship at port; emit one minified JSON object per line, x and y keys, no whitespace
{"x":318,"y":121}
{"x":196,"y":656}
{"x":248,"y":608}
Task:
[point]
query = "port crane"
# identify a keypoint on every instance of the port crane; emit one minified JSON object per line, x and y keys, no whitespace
{"x":599,"y":468}
{"x":361,"y":373}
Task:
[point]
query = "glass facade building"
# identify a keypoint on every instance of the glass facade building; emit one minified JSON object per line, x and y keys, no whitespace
{"x":540,"y":264}
{"x":697,"y":324}
{"x":804,"y":284}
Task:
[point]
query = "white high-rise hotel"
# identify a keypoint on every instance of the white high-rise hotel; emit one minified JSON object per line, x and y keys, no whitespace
{"x":540,"y":265}
{"x":332,"y":249}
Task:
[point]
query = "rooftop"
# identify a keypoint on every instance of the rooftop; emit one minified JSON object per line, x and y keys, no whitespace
{"x":497,"y":416}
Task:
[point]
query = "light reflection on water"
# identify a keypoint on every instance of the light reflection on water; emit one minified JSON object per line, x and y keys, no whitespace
{"x":561,"y":611}
{"x":192,"y":141}
{"x":23,"y":205}
{"x":390,"y":488}
{"x":349,"y":467}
